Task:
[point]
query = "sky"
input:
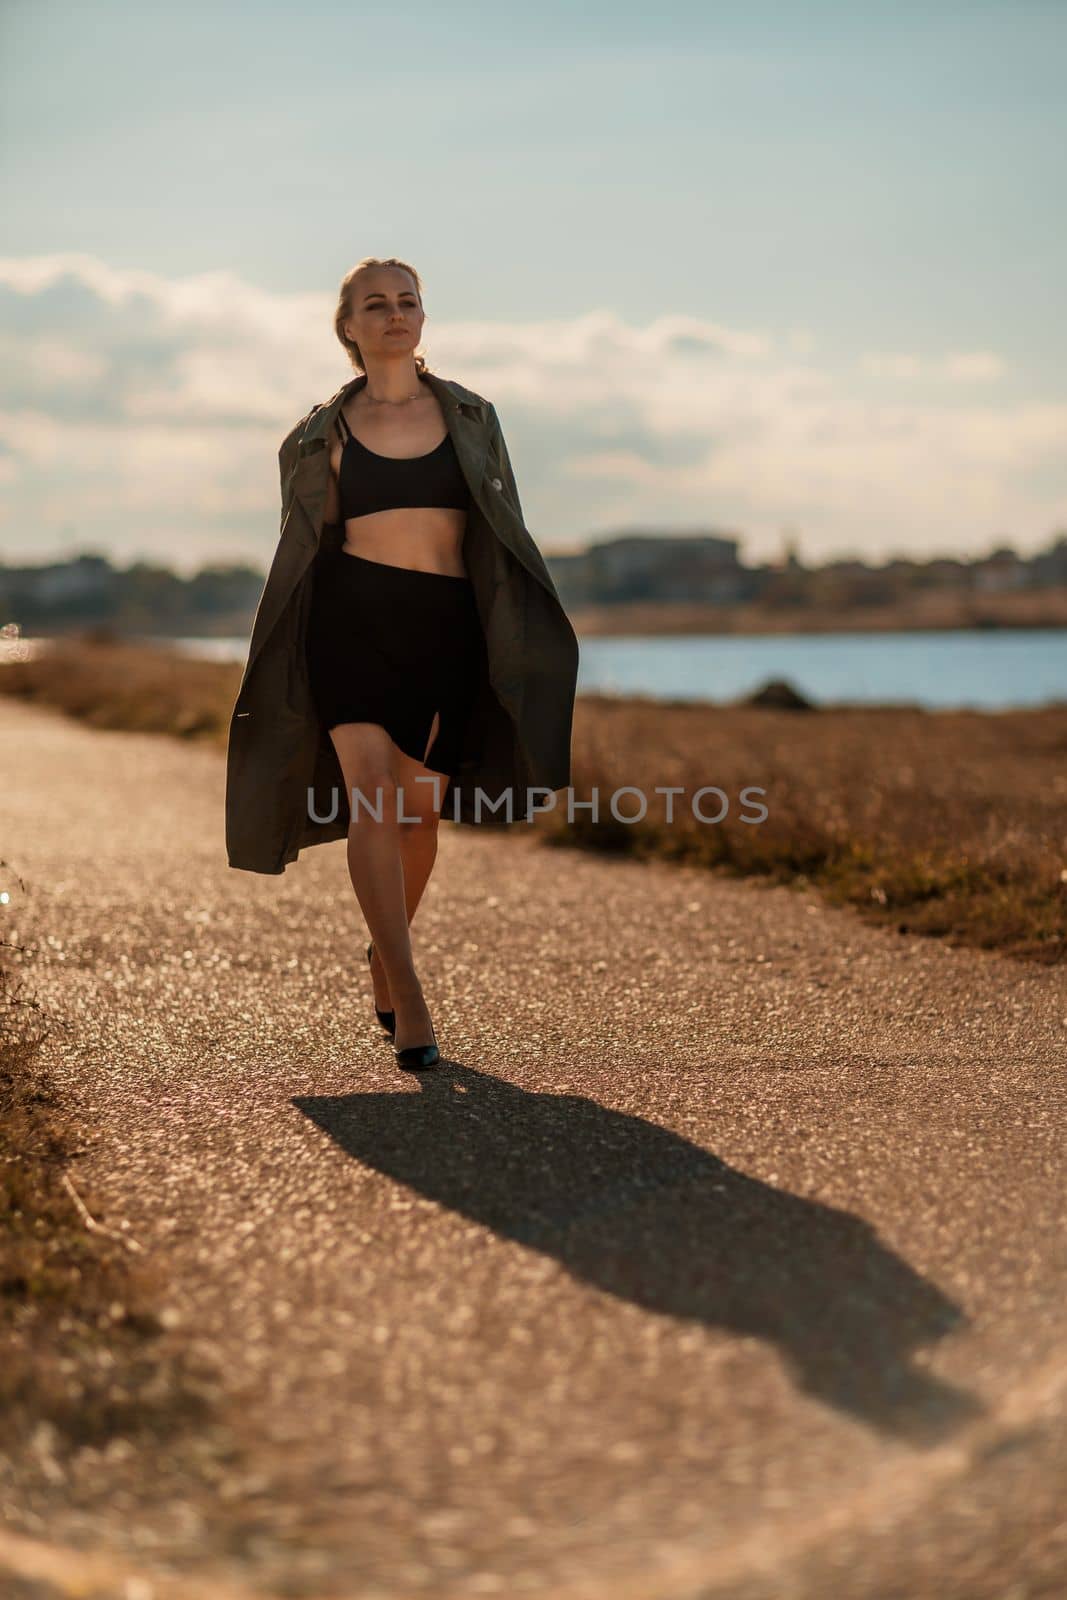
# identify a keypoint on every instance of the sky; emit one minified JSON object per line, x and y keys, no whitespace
{"x":771,"y":270}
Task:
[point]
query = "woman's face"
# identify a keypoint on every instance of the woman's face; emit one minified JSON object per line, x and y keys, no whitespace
{"x":385,"y":316}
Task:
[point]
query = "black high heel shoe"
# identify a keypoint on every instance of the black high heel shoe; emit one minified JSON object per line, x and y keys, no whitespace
{"x":386,"y":1018}
{"x":412,"y":1056}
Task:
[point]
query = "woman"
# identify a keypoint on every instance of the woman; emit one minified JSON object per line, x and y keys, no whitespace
{"x":408,"y":631}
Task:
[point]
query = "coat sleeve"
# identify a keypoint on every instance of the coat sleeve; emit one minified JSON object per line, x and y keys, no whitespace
{"x":498,"y":447}
{"x":288,"y":453}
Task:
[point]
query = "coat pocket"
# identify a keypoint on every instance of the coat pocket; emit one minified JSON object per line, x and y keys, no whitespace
{"x":311,"y":473}
{"x":313,"y":465}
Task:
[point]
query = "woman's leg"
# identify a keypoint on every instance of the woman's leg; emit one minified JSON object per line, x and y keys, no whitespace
{"x":390,"y":861}
{"x":418,"y":846}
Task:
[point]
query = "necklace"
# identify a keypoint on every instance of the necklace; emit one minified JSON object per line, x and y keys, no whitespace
{"x":406,"y":400}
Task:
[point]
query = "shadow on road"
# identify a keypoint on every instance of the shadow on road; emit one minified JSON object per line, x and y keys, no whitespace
{"x":640,"y":1212}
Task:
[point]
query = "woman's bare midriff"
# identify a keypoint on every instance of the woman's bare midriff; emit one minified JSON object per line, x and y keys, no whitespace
{"x":424,"y":538}
{"x":428,"y":539}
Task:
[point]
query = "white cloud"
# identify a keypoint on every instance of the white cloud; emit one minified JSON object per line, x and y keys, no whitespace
{"x":967,"y":366}
{"x":142,"y":415}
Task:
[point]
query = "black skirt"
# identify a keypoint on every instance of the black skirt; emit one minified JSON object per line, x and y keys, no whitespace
{"x":394,"y":645}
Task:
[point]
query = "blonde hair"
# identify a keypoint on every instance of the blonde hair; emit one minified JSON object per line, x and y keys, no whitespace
{"x":343,"y":311}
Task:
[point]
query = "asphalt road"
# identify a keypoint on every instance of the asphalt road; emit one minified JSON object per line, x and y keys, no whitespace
{"x":722,"y":1255}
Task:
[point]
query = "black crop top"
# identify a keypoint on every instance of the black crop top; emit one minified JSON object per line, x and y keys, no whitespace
{"x":369,"y":482}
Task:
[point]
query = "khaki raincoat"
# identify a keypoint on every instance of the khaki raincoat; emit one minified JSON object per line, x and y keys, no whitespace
{"x":284,"y":786}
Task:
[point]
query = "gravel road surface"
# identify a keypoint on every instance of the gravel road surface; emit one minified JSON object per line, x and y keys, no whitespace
{"x":722,"y":1256}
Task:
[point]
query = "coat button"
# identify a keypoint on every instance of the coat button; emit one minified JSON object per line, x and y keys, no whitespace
{"x":497,"y":483}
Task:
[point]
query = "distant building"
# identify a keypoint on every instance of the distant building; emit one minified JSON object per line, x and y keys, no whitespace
{"x":695,"y":567}
{"x":1002,"y":570}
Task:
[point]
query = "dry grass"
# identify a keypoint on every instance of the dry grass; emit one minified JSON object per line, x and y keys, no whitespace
{"x":140,"y":688}
{"x":944,"y":823}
